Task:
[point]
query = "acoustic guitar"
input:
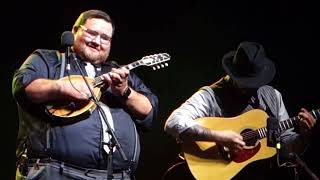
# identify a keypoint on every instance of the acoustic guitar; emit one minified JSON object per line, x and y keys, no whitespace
{"x":208,"y":160}
{"x":74,"y":109}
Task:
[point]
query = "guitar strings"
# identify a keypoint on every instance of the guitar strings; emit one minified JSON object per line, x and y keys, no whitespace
{"x":255,"y":133}
{"x":249,"y":135}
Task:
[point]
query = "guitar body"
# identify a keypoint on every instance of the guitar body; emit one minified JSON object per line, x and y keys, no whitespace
{"x":73,"y":109}
{"x":207,"y":160}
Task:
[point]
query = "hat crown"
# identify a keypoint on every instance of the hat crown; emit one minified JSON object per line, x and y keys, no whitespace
{"x":248,"y":66}
{"x":248,"y":59}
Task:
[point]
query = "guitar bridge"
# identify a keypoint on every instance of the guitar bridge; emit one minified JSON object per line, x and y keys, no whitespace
{"x":224,"y":152}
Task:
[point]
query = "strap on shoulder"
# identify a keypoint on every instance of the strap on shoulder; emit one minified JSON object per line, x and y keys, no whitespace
{"x":62,"y":58}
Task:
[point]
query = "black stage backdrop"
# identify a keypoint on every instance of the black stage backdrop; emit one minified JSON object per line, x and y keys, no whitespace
{"x":195,"y":33}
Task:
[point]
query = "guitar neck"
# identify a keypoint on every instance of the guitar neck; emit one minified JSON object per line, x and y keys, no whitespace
{"x":151,"y":60}
{"x":287,"y":124}
{"x":99,"y":81}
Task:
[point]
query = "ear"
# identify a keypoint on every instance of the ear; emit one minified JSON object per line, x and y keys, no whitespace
{"x":75,"y":29}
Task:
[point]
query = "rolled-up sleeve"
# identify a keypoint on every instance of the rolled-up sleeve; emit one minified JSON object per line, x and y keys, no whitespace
{"x":33,"y":68}
{"x":137,"y":84}
{"x":200,"y":104}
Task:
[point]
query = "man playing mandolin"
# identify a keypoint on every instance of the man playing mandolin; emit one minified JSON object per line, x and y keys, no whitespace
{"x":81,"y":146}
{"x":230,"y":102}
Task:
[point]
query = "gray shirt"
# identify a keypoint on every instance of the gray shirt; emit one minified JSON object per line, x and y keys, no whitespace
{"x":205,"y":103}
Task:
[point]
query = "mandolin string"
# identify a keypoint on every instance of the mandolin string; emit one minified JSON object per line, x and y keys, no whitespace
{"x":69,"y":78}
{"x":98,"y":80}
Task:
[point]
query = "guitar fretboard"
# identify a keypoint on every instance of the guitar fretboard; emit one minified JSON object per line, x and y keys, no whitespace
{"x":287,"y":124}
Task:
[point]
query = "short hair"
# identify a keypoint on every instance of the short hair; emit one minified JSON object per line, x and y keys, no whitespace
{"x":84,"y":16}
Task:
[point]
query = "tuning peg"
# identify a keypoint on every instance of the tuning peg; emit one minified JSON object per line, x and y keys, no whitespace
{"x":158,"y":66}
{"x":162,"y":66}
{"x":166,"y":64}
{"x":154,"y":68}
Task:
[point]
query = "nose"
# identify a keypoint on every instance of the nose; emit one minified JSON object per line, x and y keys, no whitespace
{"x":97,"y":40}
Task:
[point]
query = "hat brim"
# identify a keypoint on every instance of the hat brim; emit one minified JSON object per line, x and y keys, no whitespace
{"x":261,"y":78}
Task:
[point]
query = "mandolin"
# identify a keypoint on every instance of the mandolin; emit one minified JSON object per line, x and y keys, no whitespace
{"x":74,"y":109}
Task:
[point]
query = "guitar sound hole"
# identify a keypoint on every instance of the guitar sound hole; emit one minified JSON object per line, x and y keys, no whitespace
{"x":72,"y":105}
{"x":249,"y":137}
{"x":76,"y":105}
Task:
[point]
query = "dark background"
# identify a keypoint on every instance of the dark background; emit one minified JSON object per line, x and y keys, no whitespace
{"x":195,"y":33}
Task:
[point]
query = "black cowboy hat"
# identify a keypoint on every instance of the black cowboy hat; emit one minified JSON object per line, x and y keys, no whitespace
{"x":248,"y":66}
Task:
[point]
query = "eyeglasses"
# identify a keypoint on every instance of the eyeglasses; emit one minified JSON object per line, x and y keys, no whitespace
{"x":105,"y":39}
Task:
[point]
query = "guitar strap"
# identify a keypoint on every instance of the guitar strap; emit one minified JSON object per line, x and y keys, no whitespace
{"x":21,"y":151}
{"x":62,"y":58}
{"x":105,"y":134}
{"x":133,"y":161}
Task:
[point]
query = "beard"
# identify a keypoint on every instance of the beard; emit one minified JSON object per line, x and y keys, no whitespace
{"x":87,"y":54}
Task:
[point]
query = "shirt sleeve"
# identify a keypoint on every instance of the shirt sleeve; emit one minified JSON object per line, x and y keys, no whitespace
{"x":289,"y":134}
{"x":283,"y":114}
{"x":137,"y":84}
{"x":33,"y":68}
{"x":198,"y":105}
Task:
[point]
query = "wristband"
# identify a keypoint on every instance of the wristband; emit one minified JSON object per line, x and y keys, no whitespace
{"x":126,"y":93}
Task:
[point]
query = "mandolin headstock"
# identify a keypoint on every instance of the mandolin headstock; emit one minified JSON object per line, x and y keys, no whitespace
{"x":156,"y":61}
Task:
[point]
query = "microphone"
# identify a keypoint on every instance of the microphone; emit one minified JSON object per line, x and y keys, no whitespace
{"x":67,"y":40}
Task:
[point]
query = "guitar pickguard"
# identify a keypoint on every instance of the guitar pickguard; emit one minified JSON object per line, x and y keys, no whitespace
{"x":245,"y":154}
